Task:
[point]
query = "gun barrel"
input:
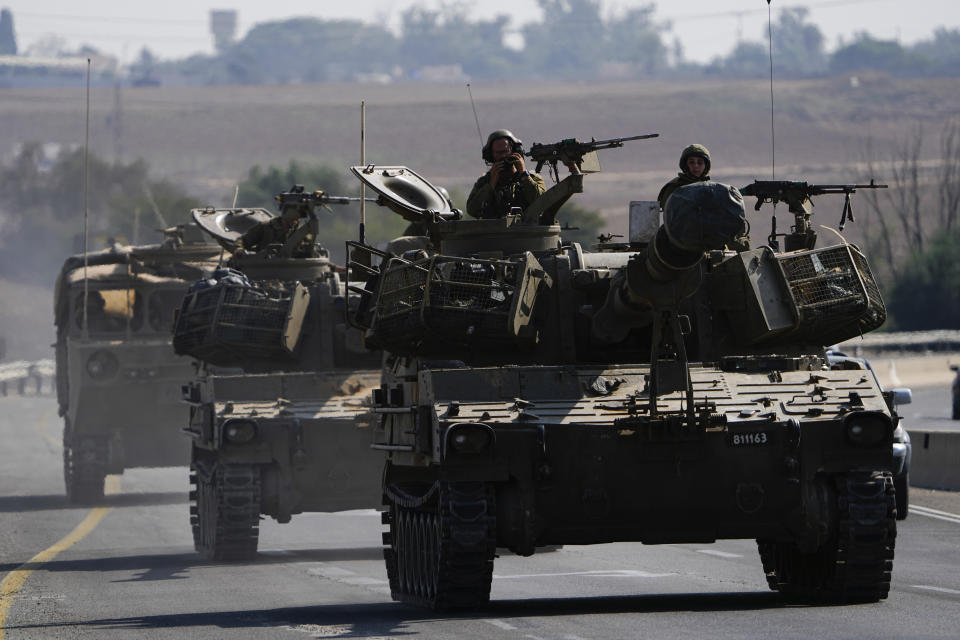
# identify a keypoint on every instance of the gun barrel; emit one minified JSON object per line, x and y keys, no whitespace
{"x":617,"y":141}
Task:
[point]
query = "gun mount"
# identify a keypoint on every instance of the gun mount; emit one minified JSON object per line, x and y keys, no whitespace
{"x":796,"y":195}
{"x":572,"y":152}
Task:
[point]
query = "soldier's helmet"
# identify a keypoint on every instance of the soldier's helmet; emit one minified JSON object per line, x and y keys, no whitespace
{"x":515,"y":142}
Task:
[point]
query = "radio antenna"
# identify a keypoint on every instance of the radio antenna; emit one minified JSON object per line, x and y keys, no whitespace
{"x":86,"y":234}
{"x":477,"y":119}
{"x":773,"y":145}
{"x":363,"y":162}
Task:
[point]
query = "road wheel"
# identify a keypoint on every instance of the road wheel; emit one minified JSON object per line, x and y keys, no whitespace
{"x":225,"y":512}
{"x":84,"y":469}
{"x":440,"y":547}
{"x":856,"y":564}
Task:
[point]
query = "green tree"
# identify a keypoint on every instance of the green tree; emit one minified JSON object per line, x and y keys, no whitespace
{"x":870,"y":54}
{"x":42,"y":205}
{"x":569,"y":42}
{"x":8,"y":40}
{"x":299,"y":50}
{"x":924,"y":296}
{"x":447,"y":37}
{"x":797,"y":44}
{"x":584,"y":224}
{"x":634,"y":38}
{"x":943,"y":52}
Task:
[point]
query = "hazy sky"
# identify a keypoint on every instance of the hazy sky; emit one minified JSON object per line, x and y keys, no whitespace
{"x":177,"y":28}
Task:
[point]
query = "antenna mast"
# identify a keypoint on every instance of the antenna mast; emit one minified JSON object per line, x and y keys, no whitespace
{"x":477,"y":119}
{"x":86,"y":234}
{"x":363,"y":162}
{"x":773,"y":145}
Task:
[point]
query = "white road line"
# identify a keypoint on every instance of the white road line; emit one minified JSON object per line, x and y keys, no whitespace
{"x":934,"y":513}
{"x":330,"y":572}
{"x":361,"y":581}
{"x":927,"y":587}
{"x":501,"y":624}
{"x":613,"y":573}
{"x":719,"y":554}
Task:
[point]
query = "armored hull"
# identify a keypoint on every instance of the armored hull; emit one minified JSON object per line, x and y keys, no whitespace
{"x":118,"y":380}
{"x":661,"y":391}
{"x":278,"y":408}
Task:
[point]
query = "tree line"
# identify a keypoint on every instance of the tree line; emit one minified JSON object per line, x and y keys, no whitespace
{"x":575,"y":40}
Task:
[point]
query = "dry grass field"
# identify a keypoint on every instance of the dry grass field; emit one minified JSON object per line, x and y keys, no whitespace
{"x":207,"y":138}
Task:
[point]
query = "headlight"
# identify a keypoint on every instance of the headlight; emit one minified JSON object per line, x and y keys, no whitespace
{"x":469,"y":437}
{"x":868,"y":429}
{"x":102,"y":364}
{"x":239,"y":431}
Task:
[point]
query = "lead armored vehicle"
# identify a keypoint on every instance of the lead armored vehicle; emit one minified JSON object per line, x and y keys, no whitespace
{"x":664,"y":390}
{"x":118,"y":381}
{"x":282,"y":387}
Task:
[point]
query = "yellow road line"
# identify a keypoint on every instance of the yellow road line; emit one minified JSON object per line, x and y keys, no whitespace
{"x":39,"y":426}
{"x":16,"y":578}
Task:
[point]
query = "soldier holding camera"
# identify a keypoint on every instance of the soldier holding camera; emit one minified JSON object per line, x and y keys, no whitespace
{"x":508,"y":184}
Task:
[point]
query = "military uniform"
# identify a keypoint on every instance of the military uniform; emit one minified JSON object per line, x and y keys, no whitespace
{"x":517,"y":190}
{"x":685,"y":177}
{"x":273,"y":231}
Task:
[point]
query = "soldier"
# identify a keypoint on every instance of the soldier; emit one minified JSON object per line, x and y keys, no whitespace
{"x":508,"y":184}
{"x":694,"y":167}
{"x":276,"y":230}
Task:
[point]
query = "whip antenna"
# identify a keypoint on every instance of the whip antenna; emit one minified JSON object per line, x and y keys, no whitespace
{"x":773,"y":145}
{"x":363,"y":162}
{"x":477,"y":119}
{"x":86,"y":235}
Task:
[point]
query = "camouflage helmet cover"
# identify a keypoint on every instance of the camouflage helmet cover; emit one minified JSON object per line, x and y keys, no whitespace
{"x":695,"y":150}
{"x":515,"y":142}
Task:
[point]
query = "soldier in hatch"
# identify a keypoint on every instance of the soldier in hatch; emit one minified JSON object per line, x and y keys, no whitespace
{"x":276,"y":230}
{"x":508,"y":184}
{"x":694,"y":167}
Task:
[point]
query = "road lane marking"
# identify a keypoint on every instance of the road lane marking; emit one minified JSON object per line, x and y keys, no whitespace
{"x":501,"y":624}
{"x":719,"y":554}
{"x":934,"y":513}
{"x":927,"y":587}
{"x":16,"y":578}
{"x":52,"y":442}
{"x":613,"y":573}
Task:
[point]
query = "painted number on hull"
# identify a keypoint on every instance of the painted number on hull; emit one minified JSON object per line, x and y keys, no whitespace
{"x":752,"y":439}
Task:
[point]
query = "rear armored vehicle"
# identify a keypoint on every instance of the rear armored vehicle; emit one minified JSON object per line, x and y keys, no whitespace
{"x":278,"y":404}
{"x":118,"y":380}
{"x":663,"y":390}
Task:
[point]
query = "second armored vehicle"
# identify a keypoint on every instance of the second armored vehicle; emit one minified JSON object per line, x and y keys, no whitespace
{"x":278,"y":405}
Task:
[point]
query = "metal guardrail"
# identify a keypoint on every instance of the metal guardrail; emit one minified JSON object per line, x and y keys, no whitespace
{"x":23,"y":377}
{"x":905,"y":341}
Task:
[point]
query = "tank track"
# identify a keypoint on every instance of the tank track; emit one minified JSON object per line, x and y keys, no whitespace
{"x":225,"y":512}
{"x":84,"y":470}
{"x":853,"y":567}
{"x":439,"y":552}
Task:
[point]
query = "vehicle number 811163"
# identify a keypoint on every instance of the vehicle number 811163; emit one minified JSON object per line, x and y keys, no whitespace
{"x":756,"y":438}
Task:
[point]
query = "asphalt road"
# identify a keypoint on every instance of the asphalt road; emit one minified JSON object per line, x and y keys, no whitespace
{"x":930,"y":409}
{"x":131,"y":572}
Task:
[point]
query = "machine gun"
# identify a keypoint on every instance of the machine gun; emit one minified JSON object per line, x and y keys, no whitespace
{"x":572,"y":151}
{"x":796,"y":195}
{"x":305,"y":202}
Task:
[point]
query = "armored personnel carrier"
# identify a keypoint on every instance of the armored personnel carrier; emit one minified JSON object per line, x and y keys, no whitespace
{"x":277,"y":407}
{"x":118,"y":381}
{"x":663,"y":390}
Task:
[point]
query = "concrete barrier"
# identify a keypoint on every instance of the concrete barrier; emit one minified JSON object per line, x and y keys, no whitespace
{"x":936,"y":459}
{"x":22,"y":377}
